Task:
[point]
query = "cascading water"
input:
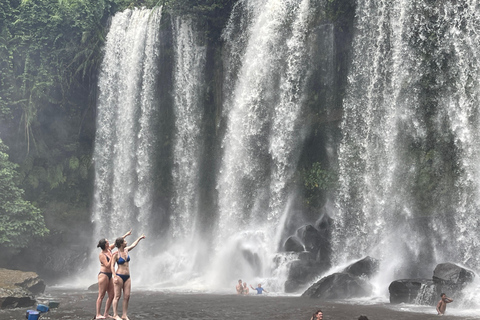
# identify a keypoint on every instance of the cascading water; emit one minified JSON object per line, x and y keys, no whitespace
{"x":262,"y":135}
{"x":408,"y":160}
{"x":124,"y":138}
{"x":267,"y":65}
{"x":177,"y":262}
{"x":188,"y":97}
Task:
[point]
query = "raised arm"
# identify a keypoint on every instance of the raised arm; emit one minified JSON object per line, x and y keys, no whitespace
{"x":134,"y":244}
{"x":124,"y":236}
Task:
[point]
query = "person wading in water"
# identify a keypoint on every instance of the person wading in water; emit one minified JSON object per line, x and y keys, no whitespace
{"x":442,"y":304}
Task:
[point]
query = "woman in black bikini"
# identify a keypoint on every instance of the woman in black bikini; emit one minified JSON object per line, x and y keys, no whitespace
{"x":121,"y":278}
{"x":105,"y":284}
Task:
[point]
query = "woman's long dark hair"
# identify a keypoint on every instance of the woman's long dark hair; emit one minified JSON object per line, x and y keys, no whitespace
{"x":102,"y":243}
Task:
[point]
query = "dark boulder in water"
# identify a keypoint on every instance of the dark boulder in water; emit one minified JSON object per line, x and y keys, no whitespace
{"x":365,"y":267}
{"x":293,"y":244}
{"x":351,"y":283}
{"x":409,"y":290}
{"x":451,"y":274}
{"x":315,"y":257}
{"x":339,"y":286}
{"x":447,"y":277}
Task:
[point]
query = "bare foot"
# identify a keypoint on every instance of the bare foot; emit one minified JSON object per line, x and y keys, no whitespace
{"x":126,"y":318}
{"x":117,"y":318}
{"x":109,"y":316}
{"x":99,"y":317}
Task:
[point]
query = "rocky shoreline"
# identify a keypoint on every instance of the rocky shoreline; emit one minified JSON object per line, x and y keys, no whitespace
{"x":18,"y":289}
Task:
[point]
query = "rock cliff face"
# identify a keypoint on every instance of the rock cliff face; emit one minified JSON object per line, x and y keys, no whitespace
{"x":18,"y":288}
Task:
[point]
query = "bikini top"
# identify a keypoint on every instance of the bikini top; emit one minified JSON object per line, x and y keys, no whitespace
{"x":121,"y":260}
{"x":108,"y":259}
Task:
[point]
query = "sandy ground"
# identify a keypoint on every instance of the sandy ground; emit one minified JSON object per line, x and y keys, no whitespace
{"x":76,"y":305}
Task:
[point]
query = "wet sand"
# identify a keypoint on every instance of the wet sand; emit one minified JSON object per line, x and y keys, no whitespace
{"x":78,"y":305}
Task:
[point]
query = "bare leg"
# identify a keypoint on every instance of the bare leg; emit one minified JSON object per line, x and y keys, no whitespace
{"x":102,"y":288}
{"x":127,"y":286}
{"x":117,"y":294}
{"x":111,"y":294}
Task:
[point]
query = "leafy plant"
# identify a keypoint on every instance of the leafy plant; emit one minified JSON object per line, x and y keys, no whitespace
{"x":20,"y":221}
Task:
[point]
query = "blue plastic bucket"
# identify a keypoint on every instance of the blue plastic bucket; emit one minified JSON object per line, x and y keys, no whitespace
{"x":33,"y":315}
{"x":42,"y":308}
{"x":28,"y":312}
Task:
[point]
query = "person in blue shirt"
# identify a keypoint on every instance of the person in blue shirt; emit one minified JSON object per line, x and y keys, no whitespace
{"x":259,"y":289}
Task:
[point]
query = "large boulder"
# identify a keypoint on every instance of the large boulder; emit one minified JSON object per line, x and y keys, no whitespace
{"x":422,"y":291}
{"x":447,"y":277}
{"x":18,"y":288}
{"x":293,"y":244}
{"x":451,"y":274}
{"x":366,"y":267}
{"x":301,"y":272}
{"x":350,"y":283}
{"x":315,"y":251}
{"x":339,"y":286}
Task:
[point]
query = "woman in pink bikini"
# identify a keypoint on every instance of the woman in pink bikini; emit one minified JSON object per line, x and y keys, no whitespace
{"x":105,"y":283}
{"x":121,"y":277}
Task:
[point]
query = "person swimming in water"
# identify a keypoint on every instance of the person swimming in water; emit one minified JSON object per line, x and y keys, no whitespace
{"x":121,"y":277}
{"x":105,"y":283}
{"x":442,"y":304}
{"x":239,"y":287}
{"x":317,"y":315}
{"x":259,"y":289}
{"x":246,"y":291}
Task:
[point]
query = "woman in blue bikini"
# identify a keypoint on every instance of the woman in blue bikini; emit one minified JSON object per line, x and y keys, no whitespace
{"x":121,"y":278}
{"x":105,"y":284}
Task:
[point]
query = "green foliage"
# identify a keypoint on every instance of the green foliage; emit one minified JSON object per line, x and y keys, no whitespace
{"x":20,"y":221}
{"x":211,"y":15}
{"x":316,"y":178}
{"x":316,"y":181}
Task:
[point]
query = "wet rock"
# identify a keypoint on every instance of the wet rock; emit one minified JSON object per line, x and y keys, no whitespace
{"x":15,"y":298}
{"x":18,"y":288}
{"x":366,"y":267}
{"x":301,"y":273}
{"x":452,"y":274}
{"x":93,"y":287}
{"x":315,"y":256}
{"x":293,"y":244}
{"x":409,"y":290}
{"x":339,"y":286}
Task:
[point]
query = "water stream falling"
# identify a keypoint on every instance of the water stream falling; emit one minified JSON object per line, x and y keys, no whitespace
{"x":188,"y":88}
{"x":262,"y":138}
{"x":409,"y":158}
{"x":126,"y":105}
{"x":266,"y":67}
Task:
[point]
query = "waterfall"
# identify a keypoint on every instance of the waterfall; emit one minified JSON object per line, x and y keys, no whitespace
{"x":267,"y":64}
{"x":408,"y":160}
{"x":126,"y":107}
{"x":188,"y":96}
{"x":263,"y":109}
{"x":458,"y":104}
